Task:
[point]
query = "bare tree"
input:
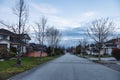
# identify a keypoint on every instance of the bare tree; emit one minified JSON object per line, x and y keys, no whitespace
{"x":53,"y":38}
{"x":83,"y":43}
{"x":40,"y":31}
{"x":100,"y":30}
{"x":21,"y":11}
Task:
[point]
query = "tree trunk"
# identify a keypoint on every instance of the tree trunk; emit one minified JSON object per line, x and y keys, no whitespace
{"x":99,"y":55}
{"x":53,"y":51}
{"x":18,"y":63}
{"x":41,"y":53}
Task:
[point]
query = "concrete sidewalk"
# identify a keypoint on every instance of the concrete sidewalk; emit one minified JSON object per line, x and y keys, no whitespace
{"x":107,"y":60}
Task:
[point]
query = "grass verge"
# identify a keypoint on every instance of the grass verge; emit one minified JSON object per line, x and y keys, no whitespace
{"x":8,"y":68}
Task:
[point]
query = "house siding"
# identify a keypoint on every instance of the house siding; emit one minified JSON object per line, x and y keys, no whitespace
{"x":10,"y":39}
{"x":5,"y":42}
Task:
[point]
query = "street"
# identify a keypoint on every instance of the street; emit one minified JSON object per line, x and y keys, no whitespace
{"x":69,"y":67}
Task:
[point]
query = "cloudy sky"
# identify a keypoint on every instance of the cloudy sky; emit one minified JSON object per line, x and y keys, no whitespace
{"x":69,"y":16}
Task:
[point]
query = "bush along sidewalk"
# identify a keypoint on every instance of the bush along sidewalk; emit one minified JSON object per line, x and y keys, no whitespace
{"x":8,"y":68}
{"x":116,"y":54}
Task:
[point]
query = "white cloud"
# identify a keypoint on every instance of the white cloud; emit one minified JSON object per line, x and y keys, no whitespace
{"x":5,"y":9}
{"x":54,"y":17}
{"x":72,"y":38}
{"x":52,"y":13}
{"x":6,"y":14}
{"x":65,"y":23}
{"x":116,"y":21}
{"x":45,"y":8}
{"x":89,"y":14}
{"x":62,"y":22}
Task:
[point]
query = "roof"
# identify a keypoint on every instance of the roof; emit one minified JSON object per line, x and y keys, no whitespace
{"x":14,"y":37}
{"x":25,"y":36}
{"x":37,"y":46}
{"x":6,"y":32}
{"x":113,"y":41}
{"x":17,"y":41}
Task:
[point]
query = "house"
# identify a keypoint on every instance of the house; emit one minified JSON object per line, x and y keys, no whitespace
{"x":9,"y":39}
{"x":92,"y":49}
{"x":107,"y":47}
{"x":110,"y":45}
{"x":37,"y":47}
{"x":36,"y":50}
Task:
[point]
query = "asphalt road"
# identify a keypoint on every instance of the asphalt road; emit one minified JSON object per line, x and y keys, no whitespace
{"x":69,"y":67}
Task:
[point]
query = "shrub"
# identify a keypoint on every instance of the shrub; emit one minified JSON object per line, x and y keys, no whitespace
{"x":13,"y":49}
{"x":116,"y":53}
{"x":59,"y":51}
{"x":96,"y":55}
{"x":4,"y":54}
{"x":49,"y":50}
{"x":12,"y":54}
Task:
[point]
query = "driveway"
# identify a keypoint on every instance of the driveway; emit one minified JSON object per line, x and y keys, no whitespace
{"x":69,"y":67}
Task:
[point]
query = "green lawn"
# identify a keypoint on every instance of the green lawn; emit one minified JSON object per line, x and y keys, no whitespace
{"x":8,"y":68}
